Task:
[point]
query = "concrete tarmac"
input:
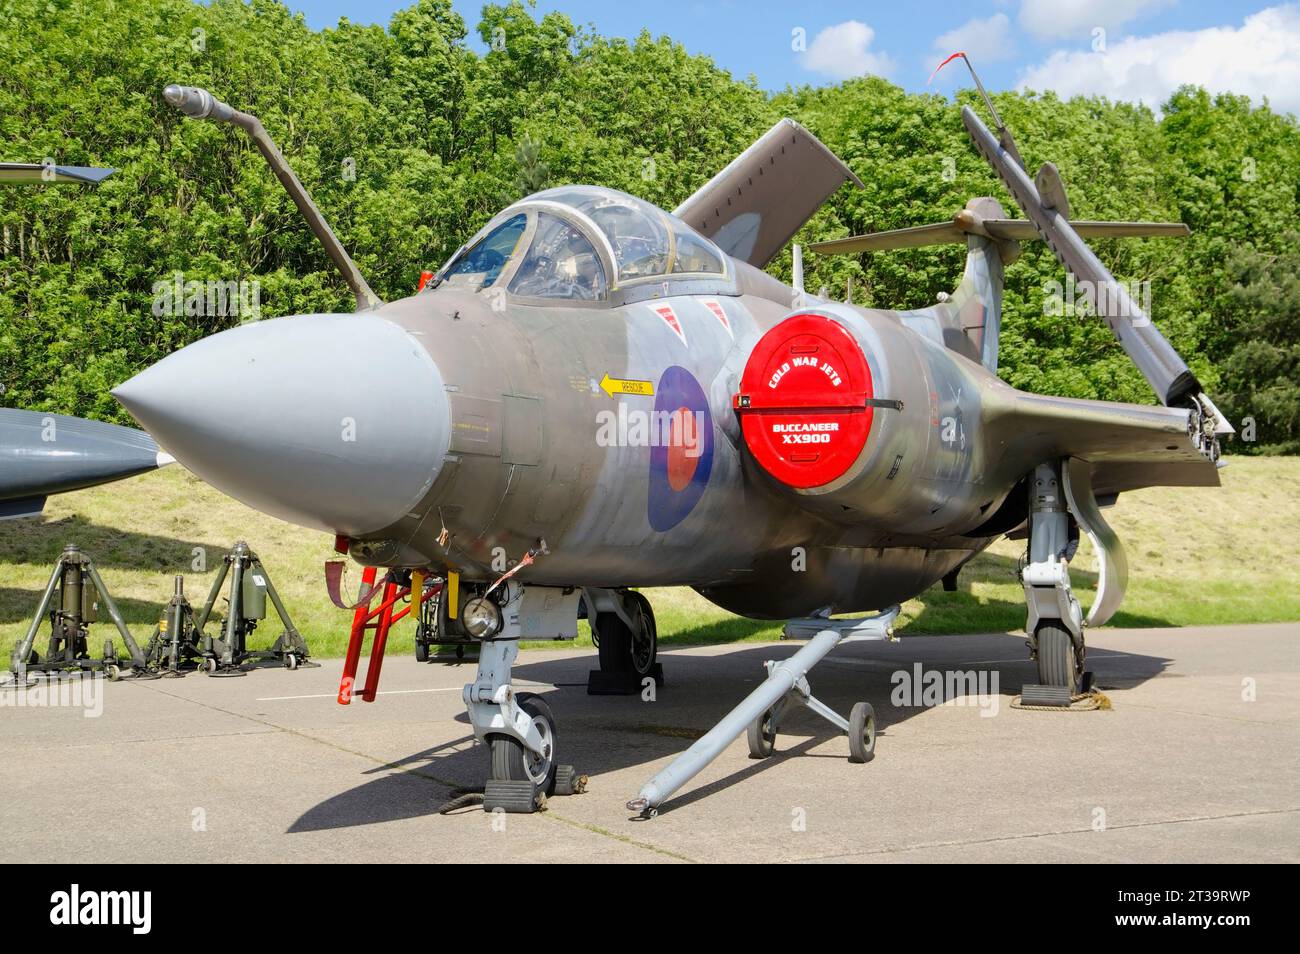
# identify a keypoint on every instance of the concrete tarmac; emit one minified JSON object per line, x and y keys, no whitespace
{"x":1198,"y":760}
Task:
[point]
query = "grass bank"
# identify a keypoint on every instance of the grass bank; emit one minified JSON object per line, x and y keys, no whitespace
{"x":1198,"y":556}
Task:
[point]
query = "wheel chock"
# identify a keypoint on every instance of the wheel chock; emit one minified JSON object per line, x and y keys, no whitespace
{"x":1033,"y":695}
{"x":515,"y":798}
{"x":568,"y":781}
{"x":601,"y":683}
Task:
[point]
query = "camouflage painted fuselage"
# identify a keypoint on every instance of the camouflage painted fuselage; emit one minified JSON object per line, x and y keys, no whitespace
{"x":525,"y":460}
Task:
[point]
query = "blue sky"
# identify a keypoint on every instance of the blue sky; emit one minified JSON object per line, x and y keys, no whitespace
{"x":1147,"y":48}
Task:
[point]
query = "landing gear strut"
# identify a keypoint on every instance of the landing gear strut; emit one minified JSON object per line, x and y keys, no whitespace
{"x":1055,"y":624}
{"x":518,"y":728}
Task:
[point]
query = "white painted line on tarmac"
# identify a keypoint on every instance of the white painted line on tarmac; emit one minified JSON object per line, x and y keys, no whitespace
{"x":334,"y":695}
{"x":392,"y":692}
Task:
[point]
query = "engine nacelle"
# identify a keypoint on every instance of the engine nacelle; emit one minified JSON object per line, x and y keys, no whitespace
{"x":864,"y":420}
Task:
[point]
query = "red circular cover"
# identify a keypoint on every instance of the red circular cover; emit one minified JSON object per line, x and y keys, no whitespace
{"x":802,"y":401}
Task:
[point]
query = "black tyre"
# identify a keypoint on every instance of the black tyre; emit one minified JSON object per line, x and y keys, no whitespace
{"x":614,"y":643}
{"x":421,"y":652}
{"x":762,"y":736}
{"x":645,"y":639}
{"x":862,"y":732}
{"x":623,"y":649}
{"x":1057,"y":663}
{"x":513,"y":763}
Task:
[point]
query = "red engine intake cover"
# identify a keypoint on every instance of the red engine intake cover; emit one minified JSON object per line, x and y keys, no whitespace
{"x":803,"y":401}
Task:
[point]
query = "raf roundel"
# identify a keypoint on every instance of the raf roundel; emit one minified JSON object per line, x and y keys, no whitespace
{"x":681,"y":456}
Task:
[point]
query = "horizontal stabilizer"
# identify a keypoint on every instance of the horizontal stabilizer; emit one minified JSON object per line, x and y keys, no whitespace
{"x":757,"y":203}
{"x":1017,"y":230}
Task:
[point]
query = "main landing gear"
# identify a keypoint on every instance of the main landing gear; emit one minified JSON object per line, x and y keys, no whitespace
{"x":623,"y":627}
{"x":761,"y":711}
{"x":1055,"y":624}
{"x":1061,"y":504}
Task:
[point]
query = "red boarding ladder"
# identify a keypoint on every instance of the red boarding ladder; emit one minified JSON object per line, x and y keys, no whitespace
{"x":379,"y":620}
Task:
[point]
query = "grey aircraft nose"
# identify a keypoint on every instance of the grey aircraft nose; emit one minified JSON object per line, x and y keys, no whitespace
{"x":336,"y":422}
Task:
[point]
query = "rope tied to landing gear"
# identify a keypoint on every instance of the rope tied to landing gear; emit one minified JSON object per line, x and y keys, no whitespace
{"x":463,"y":800}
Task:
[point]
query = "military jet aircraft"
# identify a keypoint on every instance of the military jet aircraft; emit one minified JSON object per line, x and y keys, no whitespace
{"x":595,"y":394}
{"x":43,"y":454}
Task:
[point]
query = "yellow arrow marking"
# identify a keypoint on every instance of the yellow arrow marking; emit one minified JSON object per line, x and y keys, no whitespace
{"x":612,"y":386}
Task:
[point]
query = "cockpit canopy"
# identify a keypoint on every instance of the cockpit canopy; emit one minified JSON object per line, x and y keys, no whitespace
{"x":579,"y":243}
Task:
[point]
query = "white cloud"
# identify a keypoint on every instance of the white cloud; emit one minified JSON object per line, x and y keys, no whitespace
{"x":1256,"y":59}
{"x":983,"y":40}
{"x":1058,"y":19}
{"x":842,"y":51}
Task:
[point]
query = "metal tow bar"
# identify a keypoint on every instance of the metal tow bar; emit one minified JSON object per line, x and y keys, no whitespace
{"x":785,"y":684}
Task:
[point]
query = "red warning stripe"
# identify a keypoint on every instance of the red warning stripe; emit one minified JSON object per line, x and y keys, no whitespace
{"x":670,"y":318}
{"x":715,"y":306}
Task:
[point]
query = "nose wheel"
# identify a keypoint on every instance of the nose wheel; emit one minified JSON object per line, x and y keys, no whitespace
{"x":512,"y":762}
{"x":518,"y":729}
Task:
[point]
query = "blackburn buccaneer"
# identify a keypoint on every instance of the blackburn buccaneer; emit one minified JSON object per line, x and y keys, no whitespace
{"x":595,"y":394}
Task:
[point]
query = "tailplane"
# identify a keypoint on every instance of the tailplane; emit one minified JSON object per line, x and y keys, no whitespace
{"x":969,"y":320}
{"x":1046,"y":208}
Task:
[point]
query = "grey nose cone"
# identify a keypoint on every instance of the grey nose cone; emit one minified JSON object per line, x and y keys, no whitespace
{"x":336,"y":422}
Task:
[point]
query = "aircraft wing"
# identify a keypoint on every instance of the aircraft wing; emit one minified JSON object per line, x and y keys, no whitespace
{"x":1128,"y":445}
{"x":37,"y":172}
{"x":757,"y":203}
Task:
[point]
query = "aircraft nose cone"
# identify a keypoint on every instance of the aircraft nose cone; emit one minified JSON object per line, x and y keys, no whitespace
{"x":336,"y":422}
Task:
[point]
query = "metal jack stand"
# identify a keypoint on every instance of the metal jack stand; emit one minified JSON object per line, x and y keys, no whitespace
{"x":78,"y":584}
{"x":786,"y":685}
{"x":250,"y":586}
{"x":174,"y":642}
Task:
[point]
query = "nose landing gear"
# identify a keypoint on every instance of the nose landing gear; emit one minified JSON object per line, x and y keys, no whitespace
{"x":519,"y":728}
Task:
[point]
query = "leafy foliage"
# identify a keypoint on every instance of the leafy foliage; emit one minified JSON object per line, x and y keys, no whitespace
{"x":409,"y":140}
